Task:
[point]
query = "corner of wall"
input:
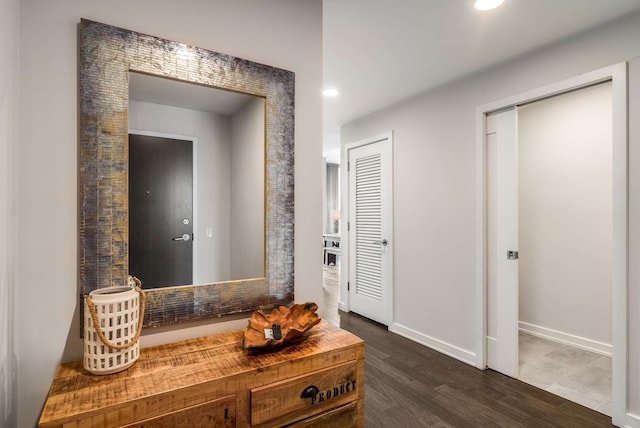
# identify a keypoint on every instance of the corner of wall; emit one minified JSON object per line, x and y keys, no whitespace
{"x":9,"y":22}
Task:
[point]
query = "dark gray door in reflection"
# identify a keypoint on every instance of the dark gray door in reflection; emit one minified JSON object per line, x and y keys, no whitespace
{"x":160,"y":211}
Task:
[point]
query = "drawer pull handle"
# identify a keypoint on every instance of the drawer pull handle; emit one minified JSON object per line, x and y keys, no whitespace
{"x":310,"y":392}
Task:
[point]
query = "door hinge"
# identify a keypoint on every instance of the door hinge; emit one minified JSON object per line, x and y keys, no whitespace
{"x":348,"y":286}
{"x":348,"y":226}
{"x":348,"y":166}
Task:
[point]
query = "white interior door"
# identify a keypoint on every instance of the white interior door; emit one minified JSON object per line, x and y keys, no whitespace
{"x":370,"y":229}
{"x":502,"y":242}
{"x":618,"y":75}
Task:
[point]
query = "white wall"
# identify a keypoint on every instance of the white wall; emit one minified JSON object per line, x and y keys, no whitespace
{"x":565,"y":214}
{"x":8,"y":183}
{"x":633,"y":373}
{"x":247,"y":191}
{"x":434,"y":183}
{"x":281,"y":33}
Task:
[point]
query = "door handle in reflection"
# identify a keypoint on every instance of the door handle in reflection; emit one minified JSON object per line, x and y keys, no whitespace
{"x":184,"y":237}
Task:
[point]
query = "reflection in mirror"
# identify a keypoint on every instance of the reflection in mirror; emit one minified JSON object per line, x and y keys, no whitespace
{"x":196,"y":183}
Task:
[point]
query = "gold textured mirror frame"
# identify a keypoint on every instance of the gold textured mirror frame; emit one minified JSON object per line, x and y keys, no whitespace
{"x":107,"y":55}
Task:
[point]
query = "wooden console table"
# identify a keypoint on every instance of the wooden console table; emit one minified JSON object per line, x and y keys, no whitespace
{"x":212,"y":381}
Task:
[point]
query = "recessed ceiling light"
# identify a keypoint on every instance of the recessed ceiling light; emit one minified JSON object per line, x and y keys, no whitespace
{"x":487,"y":4}
{"x":330,"y":92}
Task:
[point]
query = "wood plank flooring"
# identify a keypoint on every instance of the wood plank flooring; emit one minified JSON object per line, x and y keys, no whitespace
{"x":409,"y":385}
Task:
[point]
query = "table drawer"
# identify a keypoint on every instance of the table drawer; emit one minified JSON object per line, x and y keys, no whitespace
{"x":216,"y":413}
{"x":343,"y":417}
{"x":307,"y":395}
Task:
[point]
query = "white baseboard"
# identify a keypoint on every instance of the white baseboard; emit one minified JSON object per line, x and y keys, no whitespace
{"x":567,"y":339}
{"x":633,"y":421}
{"x":343,"y":306}
{"x":435,"y":344}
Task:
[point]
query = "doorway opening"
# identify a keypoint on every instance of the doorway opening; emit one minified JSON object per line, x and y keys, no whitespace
{"x":331,"y":237}
{"x":564,"y":242}
{"x":506,"y":344}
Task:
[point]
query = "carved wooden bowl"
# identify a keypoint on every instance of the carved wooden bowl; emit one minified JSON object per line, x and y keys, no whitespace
{"x":293,"y":322}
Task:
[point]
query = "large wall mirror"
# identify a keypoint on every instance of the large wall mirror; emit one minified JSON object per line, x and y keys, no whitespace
{"x":232,"y":123}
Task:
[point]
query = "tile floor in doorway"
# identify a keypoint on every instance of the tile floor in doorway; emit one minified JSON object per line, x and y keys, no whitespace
{"x":575,"y":374}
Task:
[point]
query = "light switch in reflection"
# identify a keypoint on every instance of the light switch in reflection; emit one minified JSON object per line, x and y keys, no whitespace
{"x":209,"y":232}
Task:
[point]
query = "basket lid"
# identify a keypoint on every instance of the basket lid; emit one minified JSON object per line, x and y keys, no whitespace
{"x":112,"y":291}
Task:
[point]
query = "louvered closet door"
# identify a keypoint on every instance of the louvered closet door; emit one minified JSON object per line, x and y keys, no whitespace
{"x":370,"y":228}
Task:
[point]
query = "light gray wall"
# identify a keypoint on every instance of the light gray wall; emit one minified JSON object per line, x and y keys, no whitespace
{"x":8,"y":172}
{"x":281,"y":33}
{"x":565,"y":213}
{"x":434,"y":184}
{"x":212,"y":181}
{"x":634,"y":236}
{"x":247,"y":191}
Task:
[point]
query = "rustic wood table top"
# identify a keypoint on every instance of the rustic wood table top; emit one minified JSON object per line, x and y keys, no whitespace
{"x":183,"y":364}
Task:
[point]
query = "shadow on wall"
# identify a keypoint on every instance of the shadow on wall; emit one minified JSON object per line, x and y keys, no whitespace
{"x":8,"y":392}
{"x":8,"y":361}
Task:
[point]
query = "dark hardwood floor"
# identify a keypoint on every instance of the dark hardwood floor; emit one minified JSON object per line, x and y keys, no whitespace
{"x":409,"y":385}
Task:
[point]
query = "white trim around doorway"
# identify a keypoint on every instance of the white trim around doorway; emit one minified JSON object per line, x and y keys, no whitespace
{"x":617,"y":74}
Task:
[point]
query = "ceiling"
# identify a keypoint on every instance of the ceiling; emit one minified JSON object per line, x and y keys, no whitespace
{"x":158,"y":90}
{"x":380,"y":52}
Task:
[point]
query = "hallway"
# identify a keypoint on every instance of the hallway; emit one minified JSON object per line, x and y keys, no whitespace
{"x":331,"y":293}
{"x":410,"y":385}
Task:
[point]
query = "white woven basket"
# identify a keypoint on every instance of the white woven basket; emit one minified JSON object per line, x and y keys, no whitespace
{"x":118,"y":312}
